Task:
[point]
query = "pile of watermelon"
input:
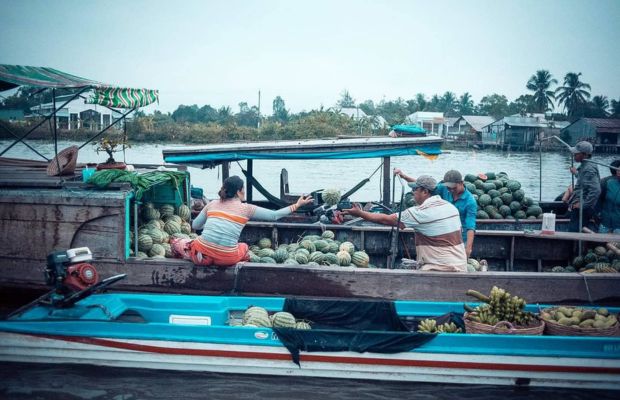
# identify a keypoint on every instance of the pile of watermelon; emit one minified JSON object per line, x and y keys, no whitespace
{"x":158,"y":226}
{"x":314,"y":250}
{"x":499,"y":197}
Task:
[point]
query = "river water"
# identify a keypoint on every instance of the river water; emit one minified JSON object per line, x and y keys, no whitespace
{"x":54,"y":382}
{"x":308,"y":175}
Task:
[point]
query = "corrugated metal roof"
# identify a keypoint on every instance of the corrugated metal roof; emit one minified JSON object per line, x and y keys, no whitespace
{"x":605,"y":123}
{"x":478,"y":121}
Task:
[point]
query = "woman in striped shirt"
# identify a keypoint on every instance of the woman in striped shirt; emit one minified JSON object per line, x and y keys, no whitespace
{"x":223,"y":220}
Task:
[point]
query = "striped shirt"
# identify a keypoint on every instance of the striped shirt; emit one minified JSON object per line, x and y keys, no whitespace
{"x":222,"y":221}
{"x":439,"y":245}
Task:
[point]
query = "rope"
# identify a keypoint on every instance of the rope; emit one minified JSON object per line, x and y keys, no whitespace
{"x":585,"y":280}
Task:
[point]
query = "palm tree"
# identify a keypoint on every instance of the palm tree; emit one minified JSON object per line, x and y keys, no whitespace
{"x":422,"y":102}
{"x":615,"y":108}
{"x":540,"y":83}
{"x":448,"y":104}
{"x":465,"y":104}
{"x":598,"y":107}
{"x":574,"y":94}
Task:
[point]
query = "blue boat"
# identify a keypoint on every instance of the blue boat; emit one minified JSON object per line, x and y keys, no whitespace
{"x":205,"y":333}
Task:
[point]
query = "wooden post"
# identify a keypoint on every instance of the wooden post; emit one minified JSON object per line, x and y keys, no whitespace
{"x":386,"y":181}
{"x":248,"y":191}
{"x":225,"y":170}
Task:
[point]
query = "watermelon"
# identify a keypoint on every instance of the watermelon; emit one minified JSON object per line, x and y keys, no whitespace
{"x":360,"y":259}
{"x":330,"y":258}
{"x":497,"y":202}
{"x":290,"y":261}
{"x":301,"y":258}
{"x":267,"y":260}
{"x":344,"y":258}
{"x":302,"y":325}
{"x":533,"y":211}
{"x":493,"y":193}
{"x":488,"y":186}
{"x":479,"y":192}
{"x":520,"y":214}
{"x":470,"y":187}
{"x":264,"y":243}
{"x":505,"y":210}
{"x":266,"y":252}
{"x":484,"y":200}
{"x":482,"y":215}
{"x":507,"y":198}
{"x":479,"y":184}
{"x":514,"y":206}
{"x":490,"y":175}
{"x":513,"y":185}
{"x":157,"y":250}
{"x":150,"y":213}
{"x":483,"y":177}
{"x":145,"y":242}
{"x":184,"y":212}
{"x":330,"y":196}
{"x":172,"y":227}
{"x":321,"y":245}
{"x":316,"y":257}
{"x":166,"y":210}
{"x":470,"y":178}
{"x":157,"y":236}
{"x":527,"y":202}
{"x":347,"y":246}
{"x":491,"y":210}
{"x":518,"y":195}
{"x":186,"y":228}
{"x":328,"y":234}
{"x":253,"y":257}
{"x":333,"y":247}
{"x":303,"y":251}
{"x":280,"y":255}
{"x":308,"y":245}
{"x":283,"y":319}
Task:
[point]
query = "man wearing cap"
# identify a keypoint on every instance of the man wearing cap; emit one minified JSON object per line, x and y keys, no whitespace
{"x":453,"y":190}
{"x":588,"y":186}
{"x":438,"y":241}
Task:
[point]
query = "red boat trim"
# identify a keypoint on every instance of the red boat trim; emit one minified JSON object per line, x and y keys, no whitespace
{"x":333,"y":359}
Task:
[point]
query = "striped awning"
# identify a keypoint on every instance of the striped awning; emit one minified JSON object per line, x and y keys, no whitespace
{"x":12,"y":76}
{"x":123,"y":97}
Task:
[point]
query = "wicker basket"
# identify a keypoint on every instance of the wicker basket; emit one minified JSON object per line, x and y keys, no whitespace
{"x":554,"y":329}
{"x":503,"y":327}
{"x":66,"y":160}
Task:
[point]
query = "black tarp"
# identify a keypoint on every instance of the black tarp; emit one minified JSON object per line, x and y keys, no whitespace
{"x":353,"y":325}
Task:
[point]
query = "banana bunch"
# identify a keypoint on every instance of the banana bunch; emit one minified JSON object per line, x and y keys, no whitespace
{"x":430,"y":326}
{"x":449,"y":327}
{"x":427,"y":326}
{"x":500,"y":306}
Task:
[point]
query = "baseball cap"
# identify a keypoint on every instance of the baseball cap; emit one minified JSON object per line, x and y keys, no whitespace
{"x":451,"y":178}
{"x":424,"y":181}
{"x":582,"y":147}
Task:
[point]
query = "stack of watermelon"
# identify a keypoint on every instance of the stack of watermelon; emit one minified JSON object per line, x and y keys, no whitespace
{"x":314,"y":250}
{"x":499,"y":197}
{"x":158,"y":226}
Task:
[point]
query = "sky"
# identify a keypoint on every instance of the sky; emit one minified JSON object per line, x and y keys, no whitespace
{"x":224,"y":52}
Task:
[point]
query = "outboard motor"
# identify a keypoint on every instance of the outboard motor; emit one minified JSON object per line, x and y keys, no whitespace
{"x":68,"y":270}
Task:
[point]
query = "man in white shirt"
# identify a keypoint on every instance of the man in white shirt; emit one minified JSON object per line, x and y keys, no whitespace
{"x":437,"y":225}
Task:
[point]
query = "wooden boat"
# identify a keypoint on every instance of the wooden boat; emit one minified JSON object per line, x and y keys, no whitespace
{"x":172,"y":332}
{"x":64,"y":214}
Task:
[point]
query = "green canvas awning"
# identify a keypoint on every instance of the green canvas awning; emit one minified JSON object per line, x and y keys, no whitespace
{"x":12,"y":76}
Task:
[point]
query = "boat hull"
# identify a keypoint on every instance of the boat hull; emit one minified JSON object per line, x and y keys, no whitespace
{"x":265,"y":360}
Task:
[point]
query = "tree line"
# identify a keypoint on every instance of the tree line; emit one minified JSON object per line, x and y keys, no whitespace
{"x":193,"y":124}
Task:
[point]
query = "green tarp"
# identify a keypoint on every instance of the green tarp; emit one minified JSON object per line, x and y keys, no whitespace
{"x":12,"y":76}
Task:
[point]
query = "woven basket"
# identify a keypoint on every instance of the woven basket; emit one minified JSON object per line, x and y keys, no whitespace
{"x":503,"y":327}
{"x":66,"y":160}
{"x":552,"y":328}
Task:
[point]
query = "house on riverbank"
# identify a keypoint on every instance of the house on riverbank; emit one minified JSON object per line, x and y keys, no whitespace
{"x":519,"y":133}
{"x":77,"y":114}
{"x":432,"y":122}
{"x":604,"y":133}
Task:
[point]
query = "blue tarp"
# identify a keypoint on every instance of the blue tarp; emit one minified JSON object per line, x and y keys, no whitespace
{"x":333,"y":155}
{"x":409,"y":129}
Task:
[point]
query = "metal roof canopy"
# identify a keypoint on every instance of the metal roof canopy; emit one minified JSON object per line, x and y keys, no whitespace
{"x":12,"y":76}
{"x":327,"y":149}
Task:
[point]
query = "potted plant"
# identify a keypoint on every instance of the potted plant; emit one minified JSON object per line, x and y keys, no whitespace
{"x":111,"y":145}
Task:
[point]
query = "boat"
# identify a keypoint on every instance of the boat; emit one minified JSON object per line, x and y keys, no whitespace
{"x":204,"y":333}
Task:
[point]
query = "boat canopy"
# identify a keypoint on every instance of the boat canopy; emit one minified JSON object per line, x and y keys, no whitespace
{"x":375,"y":147}
{"x":12,"y":76}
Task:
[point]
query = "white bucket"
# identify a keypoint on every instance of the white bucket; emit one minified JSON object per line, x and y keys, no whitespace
{"x":548,"y":223}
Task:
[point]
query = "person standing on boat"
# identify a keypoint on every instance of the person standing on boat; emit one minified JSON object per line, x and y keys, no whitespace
{"x":609,"y":204}
{"x":223,"y":220}
{"x":453,"y":190}
{"x":588,"y":186}
{"x":438,"y":240}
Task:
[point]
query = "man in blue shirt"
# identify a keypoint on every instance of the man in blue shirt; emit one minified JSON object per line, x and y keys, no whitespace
{"x":452,"y":189}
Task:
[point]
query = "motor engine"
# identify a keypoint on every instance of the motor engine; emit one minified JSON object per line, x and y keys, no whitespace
{"x":68,"y":270}
{"x":332,"y":214}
